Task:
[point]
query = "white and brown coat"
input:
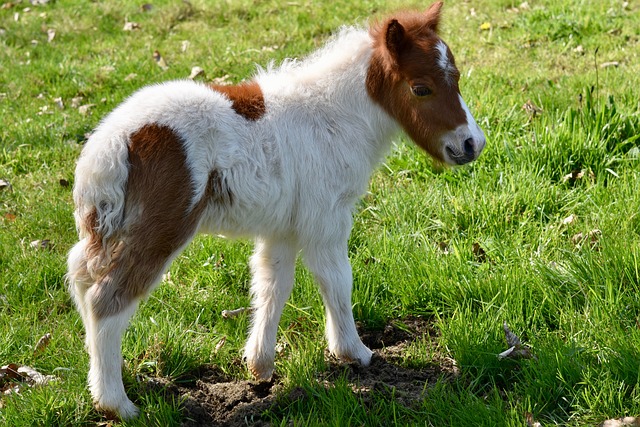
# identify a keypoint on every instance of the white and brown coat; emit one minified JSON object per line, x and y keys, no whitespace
{"x":283,"y":158}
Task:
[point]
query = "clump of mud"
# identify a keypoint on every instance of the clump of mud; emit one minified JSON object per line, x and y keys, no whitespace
{"x":215,"y":399}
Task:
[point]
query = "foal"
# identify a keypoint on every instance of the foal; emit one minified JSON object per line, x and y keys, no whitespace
{"x":282,"y":157}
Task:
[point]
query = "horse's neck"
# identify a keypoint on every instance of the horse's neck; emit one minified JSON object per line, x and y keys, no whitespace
{"x":332,"y":81}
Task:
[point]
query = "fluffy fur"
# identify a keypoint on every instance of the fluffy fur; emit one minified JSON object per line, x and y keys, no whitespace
{"x":282,"y":159}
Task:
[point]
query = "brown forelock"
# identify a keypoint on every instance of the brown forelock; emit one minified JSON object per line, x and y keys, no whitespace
{"x":157,"y":219}
{"x":246,"y":98}
{"x":390,"y":78}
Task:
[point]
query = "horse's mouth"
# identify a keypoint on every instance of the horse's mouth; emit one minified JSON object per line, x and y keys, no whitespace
{"x":457,"y":157}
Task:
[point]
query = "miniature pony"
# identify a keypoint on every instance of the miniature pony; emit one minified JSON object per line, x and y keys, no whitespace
{"x":282,"y":157}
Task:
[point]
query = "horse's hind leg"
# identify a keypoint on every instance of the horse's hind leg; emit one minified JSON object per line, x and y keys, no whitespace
{"x":105,"y":320}
{"x":158,"y":221}
{"x":79,"y":281}
{"x":105,"y":370}
{"x":110,"y":303}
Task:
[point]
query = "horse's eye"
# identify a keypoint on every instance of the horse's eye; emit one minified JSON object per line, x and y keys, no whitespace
{"x":420,"y":91}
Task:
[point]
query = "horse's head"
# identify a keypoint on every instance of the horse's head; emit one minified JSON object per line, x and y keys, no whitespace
{"x":413,"y":76}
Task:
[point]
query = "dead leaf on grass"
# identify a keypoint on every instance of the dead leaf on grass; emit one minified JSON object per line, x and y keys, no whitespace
{"x":592,"y":238}
{"x":84,"y":109}
{"x":229,"y":314}
{"x":622,"y":422}
{"x":51,"y":34}
{"x":9,"y":372}
{"x":577,"y":174}
{"x":131,"y":26}
{"x":44,"y":110}
{"x":220,"y":344}
{"x":160,"y":60}
{"x":13,"y":378}
{"x":569,"y":220}
{"x":531,"y":109}
{"x":42,"y":343}
{"x":33,"y":377}
{"x":521,"y":7}
{"x":479,"y":253}
{"x":281,"y":346}
{"x":76,"y":101}
{"x":444,"y":247}
{"x":371,"y":260}
{"x":224,"y":80}
{"x":9,"y":216}
{"x":516,"y":349}
{"x":41,"y":244}
{"x":531,"y":422}
{"x":196,"y":72}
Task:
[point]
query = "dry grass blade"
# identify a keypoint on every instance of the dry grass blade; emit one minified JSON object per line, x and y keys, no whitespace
{"x":229,"y":314}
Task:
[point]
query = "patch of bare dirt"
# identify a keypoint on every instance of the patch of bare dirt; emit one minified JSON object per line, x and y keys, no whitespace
{"x":214,"y":399}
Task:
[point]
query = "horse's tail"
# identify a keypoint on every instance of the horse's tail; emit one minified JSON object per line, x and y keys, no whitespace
{"x":99,"y":196}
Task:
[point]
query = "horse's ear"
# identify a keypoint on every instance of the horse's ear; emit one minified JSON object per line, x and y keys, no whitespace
{"x":394,"y":38}
{"x":433,"y":16}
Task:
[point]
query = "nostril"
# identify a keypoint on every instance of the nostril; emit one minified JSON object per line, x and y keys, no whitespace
{"x":469,"y":146}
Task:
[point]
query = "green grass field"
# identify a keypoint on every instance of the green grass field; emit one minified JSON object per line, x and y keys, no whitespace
{"x":542,"y":232}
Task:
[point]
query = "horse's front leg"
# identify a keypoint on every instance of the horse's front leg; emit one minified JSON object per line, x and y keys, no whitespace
{"x":330,"y":265}
{"x":273,"y":268}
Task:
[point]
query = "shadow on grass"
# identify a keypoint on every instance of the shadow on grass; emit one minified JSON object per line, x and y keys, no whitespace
{"x":212,"y":398}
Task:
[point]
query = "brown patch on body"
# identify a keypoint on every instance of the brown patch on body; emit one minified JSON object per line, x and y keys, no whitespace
{"x":157,"y":218}
{"x":246,"y":98}
{"x":405,"y":56}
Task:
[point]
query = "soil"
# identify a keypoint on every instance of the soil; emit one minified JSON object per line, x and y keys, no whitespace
{"x":215,"y":399}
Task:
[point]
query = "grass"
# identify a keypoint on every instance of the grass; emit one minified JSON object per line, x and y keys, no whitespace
{"x":575,"y":302}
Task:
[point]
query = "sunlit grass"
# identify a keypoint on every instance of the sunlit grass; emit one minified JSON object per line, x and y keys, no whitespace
{"x":574,"y":300}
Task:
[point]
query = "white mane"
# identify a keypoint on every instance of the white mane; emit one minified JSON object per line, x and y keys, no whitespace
{"x":347,"y":53}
